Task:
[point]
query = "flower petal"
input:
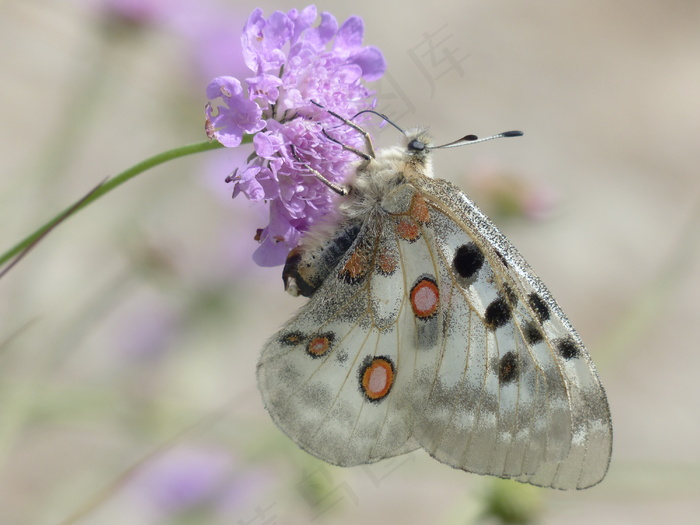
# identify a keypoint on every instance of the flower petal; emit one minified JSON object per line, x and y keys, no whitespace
{"x":324,"y":33}
{"x":238,"y":117}
{"x":350,"y":34}
{"x":372,"y":62}
{"x":302,"y":20}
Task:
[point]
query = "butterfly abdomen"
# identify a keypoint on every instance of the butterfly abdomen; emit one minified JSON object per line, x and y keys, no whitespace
{"x":307,"y":267}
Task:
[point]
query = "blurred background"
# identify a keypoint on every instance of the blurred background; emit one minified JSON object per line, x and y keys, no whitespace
{"x":129,"y":336}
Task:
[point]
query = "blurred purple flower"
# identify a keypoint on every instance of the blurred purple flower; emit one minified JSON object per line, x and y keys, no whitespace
{"x":204,"y":479}
{"x":183,"y":478}
{"x":293,"y":64}
{"x":243,"y":493}
{"x":204,"y":26}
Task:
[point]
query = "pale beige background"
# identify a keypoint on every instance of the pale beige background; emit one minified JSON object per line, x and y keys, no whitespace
{"x":607,"y":95}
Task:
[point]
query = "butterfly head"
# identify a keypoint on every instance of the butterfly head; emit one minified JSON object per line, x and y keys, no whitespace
{"x":415,"y":151}
{"x":418,"y":144}
{"x":418,"y":141}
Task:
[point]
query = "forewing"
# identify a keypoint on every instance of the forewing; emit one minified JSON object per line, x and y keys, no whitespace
{"x":515,"y":393}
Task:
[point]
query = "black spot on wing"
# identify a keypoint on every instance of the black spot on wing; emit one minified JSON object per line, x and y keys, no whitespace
{"x":532,"y":333}
{"x":293,"y":338}
{"x":468,"y":260}
{"x":508,"y":368}
{"x":567,"y":348}
{"x":539,"y":307}
{"x":497,"y":313}
{"x":510,"y":295}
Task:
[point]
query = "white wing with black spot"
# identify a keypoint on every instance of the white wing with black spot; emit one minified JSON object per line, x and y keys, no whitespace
{"x":516,"y":394}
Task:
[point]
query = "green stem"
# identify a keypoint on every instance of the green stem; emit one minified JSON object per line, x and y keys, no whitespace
{"x":108,"y":186}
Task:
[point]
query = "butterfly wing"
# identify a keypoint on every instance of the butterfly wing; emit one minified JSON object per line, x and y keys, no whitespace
{"x":337,"y":377}
{"x":515,"y":393}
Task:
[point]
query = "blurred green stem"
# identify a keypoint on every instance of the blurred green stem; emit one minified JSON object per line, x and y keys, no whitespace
{"x":105,"y":188}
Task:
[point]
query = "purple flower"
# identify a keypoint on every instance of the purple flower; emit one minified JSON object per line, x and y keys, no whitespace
{"x":294,"y":64}
{"x":206,"y":481}
{"x":239,"y":116}
{"x":183,"y":478}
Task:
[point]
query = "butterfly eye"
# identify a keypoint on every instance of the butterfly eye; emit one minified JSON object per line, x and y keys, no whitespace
{"x":416,"y":145}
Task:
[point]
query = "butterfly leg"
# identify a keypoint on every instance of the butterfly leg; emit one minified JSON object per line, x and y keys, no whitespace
{"x":340,"y":190}
{"x":365,"y":134}
{"x":357,"y":152}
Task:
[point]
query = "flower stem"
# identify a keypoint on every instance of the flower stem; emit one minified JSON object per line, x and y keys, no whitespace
{"x":27,"y":243}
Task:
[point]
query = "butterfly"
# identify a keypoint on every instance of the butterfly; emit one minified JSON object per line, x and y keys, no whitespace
{"x":425,"y":328}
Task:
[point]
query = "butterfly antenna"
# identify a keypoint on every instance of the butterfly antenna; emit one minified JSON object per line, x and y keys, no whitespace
{"x":473,"y":139}
{"x":381,"y":116}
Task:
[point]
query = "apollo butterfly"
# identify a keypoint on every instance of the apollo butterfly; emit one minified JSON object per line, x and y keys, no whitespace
{"x":425,"y":328}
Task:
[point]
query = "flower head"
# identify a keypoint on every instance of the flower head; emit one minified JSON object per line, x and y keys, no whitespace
{"x":296,"y":67}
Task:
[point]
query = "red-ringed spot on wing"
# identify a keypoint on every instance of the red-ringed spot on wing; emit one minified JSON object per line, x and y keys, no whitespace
{"x":320,"y":344}
{"x":387,"y":264}
{"x":354,"y":269}
{"x":425,"y":297}
{"x":376,"y":377}
{"x":408,"y":229}
{"x":419,"y":209}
